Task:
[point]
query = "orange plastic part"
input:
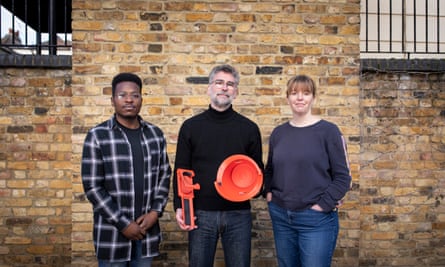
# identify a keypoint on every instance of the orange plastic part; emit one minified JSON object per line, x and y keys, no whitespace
{"x":239,"y":178}
{"x":186,"y":193}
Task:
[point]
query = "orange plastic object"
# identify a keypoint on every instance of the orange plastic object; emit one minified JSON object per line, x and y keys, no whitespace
{"x":185,"y":192}
{"x":239,"y":178}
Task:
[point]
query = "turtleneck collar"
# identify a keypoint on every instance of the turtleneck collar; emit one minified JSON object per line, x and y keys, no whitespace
{"x":221,"y":115}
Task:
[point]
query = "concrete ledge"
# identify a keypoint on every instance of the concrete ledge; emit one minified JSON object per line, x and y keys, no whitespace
{"x":411,"y":65}
{"x":382,"y":65}
{"x":32,"y":61}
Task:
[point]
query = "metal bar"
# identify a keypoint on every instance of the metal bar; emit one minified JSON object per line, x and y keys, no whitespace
{"x":390,"y":25}
{"x":26,"y":22}
{"x":52,"y":49}
{"x":1,"y":34}
{"x":403,"y":26}
{"x":13,"y":22}
{"x":426,"y":26}
{"x":367,"y":26}
{"x":65,"y":12}
{"x":39,"y":30}
{"x":438,"y":26}
{"x":415,"y":26}
{"x":378,"y":25}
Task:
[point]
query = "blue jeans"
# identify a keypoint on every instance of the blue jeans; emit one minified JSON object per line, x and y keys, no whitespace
{"x":304,"y":238}
{"x":234,"y":228}
{"x":136,"y":261}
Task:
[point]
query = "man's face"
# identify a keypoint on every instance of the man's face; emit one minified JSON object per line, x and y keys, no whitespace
{"x":222,"y":90}
{"x":127,"y":100}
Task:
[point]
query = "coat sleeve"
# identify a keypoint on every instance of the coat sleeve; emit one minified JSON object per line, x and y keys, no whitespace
{"x":93,"y":181}
{"x":163,"y":184}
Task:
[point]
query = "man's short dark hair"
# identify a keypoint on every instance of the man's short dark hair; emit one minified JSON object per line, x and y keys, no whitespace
{"x":125,"y":77}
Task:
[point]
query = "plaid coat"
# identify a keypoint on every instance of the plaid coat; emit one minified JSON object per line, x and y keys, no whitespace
{"x":107,"y":178}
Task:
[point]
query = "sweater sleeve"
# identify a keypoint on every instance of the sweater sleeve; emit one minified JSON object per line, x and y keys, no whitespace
{"x":256,"y":153}
{"x":268,"y":171}
{"x":182,"y":160}
{"x":340,"y":174}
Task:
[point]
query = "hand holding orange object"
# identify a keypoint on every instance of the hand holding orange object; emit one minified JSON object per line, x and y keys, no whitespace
{"x":185,"y":192}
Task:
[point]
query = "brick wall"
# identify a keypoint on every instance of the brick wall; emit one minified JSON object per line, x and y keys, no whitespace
{"x":401,"y":212}
{"x":174,"y":45}
{"x":35,"y":167}
{"x":402,"y":178}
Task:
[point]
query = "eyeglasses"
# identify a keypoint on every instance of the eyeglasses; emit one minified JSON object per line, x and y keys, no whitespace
{"x":133,"y":96}
{"x":221,"y":83}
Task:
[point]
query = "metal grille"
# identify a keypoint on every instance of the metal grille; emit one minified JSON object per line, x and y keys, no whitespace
{"x":35,"y":27}
{"x":403,"y":28}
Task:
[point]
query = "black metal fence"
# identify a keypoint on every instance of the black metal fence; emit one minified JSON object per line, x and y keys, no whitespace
{"x":35,"y":27}
{"x":406,"y":27}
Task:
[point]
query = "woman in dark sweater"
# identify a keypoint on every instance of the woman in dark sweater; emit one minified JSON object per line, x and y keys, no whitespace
{"x":306,"y":176}
{"x":204,"y":142}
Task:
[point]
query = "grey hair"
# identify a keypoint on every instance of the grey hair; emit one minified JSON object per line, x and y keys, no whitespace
{"x":227,"y":69}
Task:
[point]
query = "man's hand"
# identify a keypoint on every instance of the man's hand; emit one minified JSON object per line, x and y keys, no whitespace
{"x":269,"y":196}
{"x":180,"y":221}
{"x":133,"y":231}
{"x":147,"y":220}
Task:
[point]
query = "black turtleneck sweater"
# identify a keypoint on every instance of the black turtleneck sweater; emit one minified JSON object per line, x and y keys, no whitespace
{"x":204,"y":141}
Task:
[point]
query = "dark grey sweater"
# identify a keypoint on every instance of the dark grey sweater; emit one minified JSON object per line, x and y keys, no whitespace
{"x":307,"y":166}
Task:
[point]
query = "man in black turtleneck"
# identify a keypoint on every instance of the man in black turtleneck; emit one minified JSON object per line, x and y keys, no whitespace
{"x":204,"y":142}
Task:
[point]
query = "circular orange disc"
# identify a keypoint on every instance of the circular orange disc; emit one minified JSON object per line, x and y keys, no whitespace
{"x":239,"y":178}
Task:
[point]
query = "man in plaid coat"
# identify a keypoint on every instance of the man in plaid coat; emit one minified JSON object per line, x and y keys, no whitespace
{"x":126,"y":177}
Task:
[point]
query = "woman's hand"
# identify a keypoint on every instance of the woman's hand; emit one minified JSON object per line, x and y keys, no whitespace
{"x":317,"y":208}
